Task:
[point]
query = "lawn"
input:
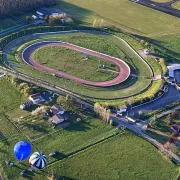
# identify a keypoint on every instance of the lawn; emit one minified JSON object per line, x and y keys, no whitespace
{"x":123,"y":157}
{"x":155,"y":66}
{"x":8,"y":24}
{"x":71,"y":62}
{"x":11,"y":98}
{"x":176,"y":5}
{"x":124,"y":14}
{"x":101,"y":43}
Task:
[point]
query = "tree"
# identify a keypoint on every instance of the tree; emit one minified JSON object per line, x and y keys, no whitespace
{"x":28,"y":19}
{"x":175,"y":114}
{"x":101,"y":24}
{"x":152,"y":122}
{"x":169,"y":119}
{"x":59,"y":100}
{"x":170,"y":147}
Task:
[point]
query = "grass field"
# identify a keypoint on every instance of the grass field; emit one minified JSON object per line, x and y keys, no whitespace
{"x":71,"y":62}
{"x":176,"y":5}
{"x":162,"y":1}
{"x":7,"y":23}
{"x":127,"y":155}
{"x":168,"y":47}
{"x":101,"y":43}
{"x":124,"y":157}
{"x":10,"y":96}
{"x":155,"y":66}
{"x":124,"y":14}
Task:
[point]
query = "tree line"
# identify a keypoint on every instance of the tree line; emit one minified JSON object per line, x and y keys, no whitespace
{"x":12,"y":7}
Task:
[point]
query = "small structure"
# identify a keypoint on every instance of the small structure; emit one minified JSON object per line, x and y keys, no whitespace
{"x":122,"y":109}
{"x":58,"y":114}
{"x":34,"y":17}
{"x":26,"y":105}
{"x":58,"y":118}
{"x":56,"y":109}
{"x":36,"y":98}
{"x":174,"y":75}
{"x":146,"y":51}
{"x":43,"y":12}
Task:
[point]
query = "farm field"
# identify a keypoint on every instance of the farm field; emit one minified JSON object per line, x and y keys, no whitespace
{"x":168,"y":47}
{"x":128,"y":157}
{"x":101,"y":43}
{"x":10,"y":97}
{"x":124,"y":14}
{"x":71,"y":62}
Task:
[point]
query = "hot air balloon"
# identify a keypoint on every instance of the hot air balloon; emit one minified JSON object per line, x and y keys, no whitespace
{"x":22,"y":150}
{"x":38,"y":161}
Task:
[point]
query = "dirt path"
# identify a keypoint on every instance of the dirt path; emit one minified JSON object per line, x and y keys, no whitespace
{"x":123,"y":74}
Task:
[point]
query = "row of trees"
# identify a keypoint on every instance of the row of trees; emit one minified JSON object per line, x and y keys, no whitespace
{"x":102,"y":113}
{"x":12,"y":7}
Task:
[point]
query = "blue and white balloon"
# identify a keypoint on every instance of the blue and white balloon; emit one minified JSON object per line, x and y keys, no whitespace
{"x":22,"y":150}
{"x":38,"y":160}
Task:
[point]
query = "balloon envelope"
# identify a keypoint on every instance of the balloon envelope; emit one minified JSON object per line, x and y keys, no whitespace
{"x":38,"y":160}
{"x":22,"y":150}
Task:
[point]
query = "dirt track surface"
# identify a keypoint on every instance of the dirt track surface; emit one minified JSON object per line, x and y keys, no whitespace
{"x":121,"y":77}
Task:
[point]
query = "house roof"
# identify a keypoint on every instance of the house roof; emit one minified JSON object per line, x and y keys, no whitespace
{"x":35,"y":96}
{"x":57,"y":117}
{"x":123,"y":107}
{"x":56,"y":108}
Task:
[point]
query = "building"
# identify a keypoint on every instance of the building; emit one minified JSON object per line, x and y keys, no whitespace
{"x":58,"y":114}
{"x":56,"y":119}
{"x":122,"y":109}
{"x":56,"y":109}
{"x":36,"y":98}
{"x":43,"y":12}
{"x":26,"y":105}
{"x":174,"y":75}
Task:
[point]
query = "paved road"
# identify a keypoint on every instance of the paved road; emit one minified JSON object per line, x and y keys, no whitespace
{"x":173,"y":95}
{"x":123,"y":74}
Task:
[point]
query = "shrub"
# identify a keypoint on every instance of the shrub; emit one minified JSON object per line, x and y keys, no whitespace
{"x":113,"y":123}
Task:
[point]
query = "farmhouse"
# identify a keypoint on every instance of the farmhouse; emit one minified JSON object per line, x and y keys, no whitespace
{"x":56,"y":109}
{"x":43,"y":12}
{"x":58,"y":114}
{"x":56,"y":119}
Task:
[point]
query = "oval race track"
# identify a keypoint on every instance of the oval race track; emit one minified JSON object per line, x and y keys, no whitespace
{"x":123,"y":74}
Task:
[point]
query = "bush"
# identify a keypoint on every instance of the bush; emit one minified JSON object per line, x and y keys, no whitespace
{"x":113,"y":123}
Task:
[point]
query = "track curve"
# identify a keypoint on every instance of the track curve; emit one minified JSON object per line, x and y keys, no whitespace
{"x":122,"y":75}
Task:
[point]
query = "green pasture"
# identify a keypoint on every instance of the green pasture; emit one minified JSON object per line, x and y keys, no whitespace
{"x":122,"y":157}
{"x":7,"y":23}
{"x":125,"y":14}
{"x":155,"y":66}
{"x":176,"y":5}
{"x":71,"y":62}
{"x":9,"y":96}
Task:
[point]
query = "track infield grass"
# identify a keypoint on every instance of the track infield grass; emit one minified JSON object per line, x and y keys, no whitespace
{"x":71,"y":62}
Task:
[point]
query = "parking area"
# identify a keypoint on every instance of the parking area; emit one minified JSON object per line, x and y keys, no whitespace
{"x":177,"y":76}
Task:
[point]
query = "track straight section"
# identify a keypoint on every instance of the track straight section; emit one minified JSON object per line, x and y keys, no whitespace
{"x":123,"y":74}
